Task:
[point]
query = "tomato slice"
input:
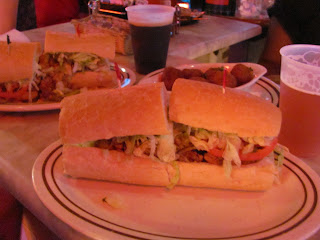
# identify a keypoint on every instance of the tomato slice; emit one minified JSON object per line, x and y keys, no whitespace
{"x":216,"y":152}
{"x":259,"y":154}
{"x":14,"y":95}
{"x":253,"y":156}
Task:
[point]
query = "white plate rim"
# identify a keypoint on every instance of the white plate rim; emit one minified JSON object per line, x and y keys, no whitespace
{"x":301,"y":228}
{"x":268,"y":87}
{"x":129,"y":78}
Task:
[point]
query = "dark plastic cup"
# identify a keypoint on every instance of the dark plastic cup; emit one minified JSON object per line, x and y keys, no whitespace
{"x":150,"y":27}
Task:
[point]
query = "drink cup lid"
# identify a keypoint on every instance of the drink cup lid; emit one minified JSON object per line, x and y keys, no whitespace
{"x":300,"y":67}
{"x":150,"y":15}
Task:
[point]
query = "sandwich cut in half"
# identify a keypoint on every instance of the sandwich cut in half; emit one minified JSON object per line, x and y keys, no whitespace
{"x":18,"y":63}
{"x":128,"y":138}
{"x":231,"y":135}
{"x":72,"y":62}
{"x":126,"y":135}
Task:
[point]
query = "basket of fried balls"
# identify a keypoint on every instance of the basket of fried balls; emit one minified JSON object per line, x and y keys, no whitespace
{"x":240,"y":74}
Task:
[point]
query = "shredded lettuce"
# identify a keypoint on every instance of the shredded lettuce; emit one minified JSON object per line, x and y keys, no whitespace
{"x":175,"y":179}
{"x":199,"y":144}
{"x":227,"y":166}
{"x":130,"y":144}
{"x":231,"y":154}
{"x":60,"y":59}
{"x":248,"y":148}
{"x":85,"y":144}
{"x":204,"y":140}
{"x":201,"y":133}
{"x":280,"y":150}
{"x":262,"y":141}
{"x":84,"y":60}
{"x":152,"y":146}
{"x":142,"y":144}
{"x":166,"y":150}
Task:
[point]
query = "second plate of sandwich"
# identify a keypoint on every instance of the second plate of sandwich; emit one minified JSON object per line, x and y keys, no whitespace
{"x":70,"y":64}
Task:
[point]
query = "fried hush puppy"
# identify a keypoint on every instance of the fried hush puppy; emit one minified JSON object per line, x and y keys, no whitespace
{"x":215,"y":75}
{"x":242,"y":73}
{"x":169,"y":75}
{"x":189,"y":73}
{"x":239,"y":75}
{"x":200,"y":79}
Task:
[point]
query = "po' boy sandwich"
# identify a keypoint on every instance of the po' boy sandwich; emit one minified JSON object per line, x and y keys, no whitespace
{"x":234,"y":131}
{"x":211,"y":140}
{"x":71,"y":62}
{"x":18,"y":63}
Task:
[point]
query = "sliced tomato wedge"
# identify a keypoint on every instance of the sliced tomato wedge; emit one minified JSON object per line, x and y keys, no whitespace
{"x":216,"y":152}
{"x":14,"y":95}
{"x":260,"y":153}
{"x":253,"y":156}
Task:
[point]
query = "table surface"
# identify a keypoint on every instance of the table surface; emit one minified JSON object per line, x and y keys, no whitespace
{"x":207,"y":35}
{"x":23,"y":136}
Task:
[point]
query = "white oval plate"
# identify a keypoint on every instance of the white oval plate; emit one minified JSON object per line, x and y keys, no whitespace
{"x":127,"y":78}
{"x":290,"y":210}
{"x":258,"y":71}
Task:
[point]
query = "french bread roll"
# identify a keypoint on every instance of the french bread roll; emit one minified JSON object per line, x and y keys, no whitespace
{"x":18,"y":60}
{"x":102,"y":44}
{"x":103,"y":114}
{"x":115,"y":166}
{"x":204,"y":105}
{"x":94,"y":80}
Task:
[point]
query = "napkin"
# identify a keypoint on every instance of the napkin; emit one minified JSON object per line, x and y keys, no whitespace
{"x":15,"y":36}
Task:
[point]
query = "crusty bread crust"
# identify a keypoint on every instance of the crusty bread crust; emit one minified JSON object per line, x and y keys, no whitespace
{"x":204,"y":105}
{"x":95,"y":114}
{"x":99,"y":164}
{"x":94,"y":80}
{"x":18,"y":60}
{"x":102,"y":44}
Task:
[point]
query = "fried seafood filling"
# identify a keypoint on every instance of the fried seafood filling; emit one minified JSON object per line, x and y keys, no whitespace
{"x":56,"y":70}
{"x":188,"y":144}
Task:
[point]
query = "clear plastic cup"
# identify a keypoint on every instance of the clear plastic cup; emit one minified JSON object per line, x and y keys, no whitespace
{"x":150,"y":27}
{"x":300,"y":99}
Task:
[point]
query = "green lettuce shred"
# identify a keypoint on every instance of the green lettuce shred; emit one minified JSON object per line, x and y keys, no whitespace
{"x":203,"y":139}
{"x":86,"y":144}
{"x":280,"y":150}
{"x":83,"y":60}
{"x":166,"y":150}
{"x":175,"y":179}
{"x":230,"y":155}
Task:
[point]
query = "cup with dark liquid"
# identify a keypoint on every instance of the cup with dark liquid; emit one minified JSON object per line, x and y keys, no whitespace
{"x":300,"y":99}
{"x":150,"y":27}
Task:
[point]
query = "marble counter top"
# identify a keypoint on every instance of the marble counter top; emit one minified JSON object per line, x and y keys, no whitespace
{"x":209,"y":34}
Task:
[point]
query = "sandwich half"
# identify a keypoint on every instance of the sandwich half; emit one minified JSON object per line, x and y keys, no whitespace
{"x":128,"y":138}
{"x":126,"y":135}
{"x":230,"y":135}
{"x":72,"y":62}
{"x":17,"y":72}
